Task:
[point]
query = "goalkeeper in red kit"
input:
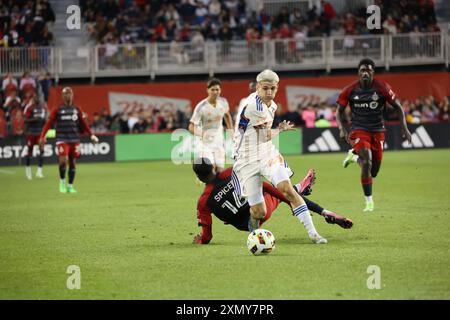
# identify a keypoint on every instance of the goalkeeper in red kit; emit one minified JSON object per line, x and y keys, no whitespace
{"x":367,"y":99}
{"x":221,"y":199}
{"x":68,"y":120}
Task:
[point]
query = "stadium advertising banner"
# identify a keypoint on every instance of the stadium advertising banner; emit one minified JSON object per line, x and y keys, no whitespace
{"x":424,"y":136}
{"x":292,"y":91}
{"x":14,"y":150}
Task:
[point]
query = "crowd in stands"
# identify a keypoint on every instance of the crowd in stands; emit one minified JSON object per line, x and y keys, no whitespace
{"x":25,"y":23}
{"x":133,"y":21}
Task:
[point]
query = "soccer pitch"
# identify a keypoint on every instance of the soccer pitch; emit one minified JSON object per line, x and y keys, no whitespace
{"x":130,"y":228}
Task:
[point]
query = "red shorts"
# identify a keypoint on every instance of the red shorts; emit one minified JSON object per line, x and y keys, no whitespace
{"x":69,"y":149}
{"x":360,"y":139}
{"x":271,"y":204}
{"x":31,"y":141}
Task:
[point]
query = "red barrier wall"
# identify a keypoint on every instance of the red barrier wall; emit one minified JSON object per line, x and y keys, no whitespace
{"x":92,"y":98}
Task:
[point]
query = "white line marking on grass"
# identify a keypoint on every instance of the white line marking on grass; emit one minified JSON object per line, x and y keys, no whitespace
{"x":7,"y":172}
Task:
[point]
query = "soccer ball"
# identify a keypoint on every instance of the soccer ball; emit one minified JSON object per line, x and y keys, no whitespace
{"x":261,"y":241}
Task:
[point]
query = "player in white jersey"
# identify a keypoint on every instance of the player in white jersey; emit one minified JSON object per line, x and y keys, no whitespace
{"x":256,"y":156}
{"x":206,"y":123}
{"x":242,"y":103}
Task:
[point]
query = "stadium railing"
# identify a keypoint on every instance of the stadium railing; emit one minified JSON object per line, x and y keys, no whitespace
{"x":152,"y":59}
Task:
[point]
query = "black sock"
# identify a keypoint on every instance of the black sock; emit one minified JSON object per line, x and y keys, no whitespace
{"x":62,"y":172}
{"x":40,"y":160}
{"x":367,"y":188}
{"x":312,"y":206}
{"x":71,"y":175}
{"x":27,"y":161}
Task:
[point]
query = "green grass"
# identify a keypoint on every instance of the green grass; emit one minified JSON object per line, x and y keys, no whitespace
{"x":130,"y":228}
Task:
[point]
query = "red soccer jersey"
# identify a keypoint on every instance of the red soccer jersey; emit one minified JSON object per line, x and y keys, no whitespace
{"x":367,"y":105}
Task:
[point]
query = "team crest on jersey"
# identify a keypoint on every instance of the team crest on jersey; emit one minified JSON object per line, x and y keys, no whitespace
{"x":375,"y":97}
{"x":75,"y":117}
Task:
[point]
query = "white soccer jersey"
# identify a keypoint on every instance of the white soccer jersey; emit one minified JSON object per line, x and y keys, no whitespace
{"x":248,"y":143}
{"x":210,"y":118}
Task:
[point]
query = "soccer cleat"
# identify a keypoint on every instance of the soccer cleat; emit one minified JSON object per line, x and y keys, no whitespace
{"x":348,"y":159}
{"x":318,"y":239}
{"x":333,"y":218}
{"x":307,"y":182}
{"x":71,"y":189}
{"x":62,"y":187}
{"x":369,"y":206}
{"x":28,"y":173}
{"x":39,"y":174}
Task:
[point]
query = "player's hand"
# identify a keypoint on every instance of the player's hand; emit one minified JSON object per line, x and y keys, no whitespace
{"x":94,"y":139}
{"x":285,"y":126}
{"x":197,"y":239}
{"x":343,"y":134}
{"x":42,"y":142}
{"x":406,"y":134}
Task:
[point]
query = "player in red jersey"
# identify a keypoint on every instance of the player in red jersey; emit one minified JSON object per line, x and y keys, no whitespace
{"x":367,"y":98}
{"x":221,"y":199}
{"x":35,"y":116}
{"x":68,"y":120}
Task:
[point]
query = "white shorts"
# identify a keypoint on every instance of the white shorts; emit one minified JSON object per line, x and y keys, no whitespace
{"x":247,"y":178}
{"x":214,"y":152}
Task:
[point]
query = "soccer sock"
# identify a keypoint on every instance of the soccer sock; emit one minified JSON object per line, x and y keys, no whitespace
{"x":367,"y":187}
{"x":253,"y":224}
{"x":302,"y":213}
{"x":40,"y":160}
{"x":28,"y":161}
{"x":71,"y":175}
{"x":314,"y":207}
{"x":62,"y":171}
{"x":355,"y":158}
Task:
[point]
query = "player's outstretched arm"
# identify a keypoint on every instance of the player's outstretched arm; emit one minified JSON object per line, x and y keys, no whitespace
{"x":204,"y":237}
{"x":283,"y":126}
{"x":401,"y":116}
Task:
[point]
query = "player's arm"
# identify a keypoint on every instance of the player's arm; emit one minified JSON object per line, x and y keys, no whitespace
{"x":47,"y":126}
{"x":341,"y":120}
{"x":395,"y":103}
{"x":194,"y":122}
{"x":228,"y":121}
{"x":86,"y":128}
{"x":283,"y":126}
{"x":204,"y":219}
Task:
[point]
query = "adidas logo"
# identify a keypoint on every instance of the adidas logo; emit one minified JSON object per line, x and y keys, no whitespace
{"x":326,"y":142}
{"x":419,"y":139}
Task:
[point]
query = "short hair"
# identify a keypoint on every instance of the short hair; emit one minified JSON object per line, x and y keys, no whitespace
{"x":213,"y":82}
{"x":267,"y":75}
{"x":202,"y":167}
{"x":366,"y":61}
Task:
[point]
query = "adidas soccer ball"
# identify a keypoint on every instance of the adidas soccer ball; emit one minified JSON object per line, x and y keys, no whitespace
{"x":261,"y":241}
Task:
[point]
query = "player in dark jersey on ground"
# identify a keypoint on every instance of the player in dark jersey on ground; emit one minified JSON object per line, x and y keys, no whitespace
{"x":367,"y":98}
{"x":68,"y":120}
{"x":35,"y":116}
{"x":219,"y":198}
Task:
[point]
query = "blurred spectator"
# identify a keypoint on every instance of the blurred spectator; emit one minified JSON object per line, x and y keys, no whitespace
{"x":309,"y":116}
{"x":9,"y":84}
{"x":321,"y":122}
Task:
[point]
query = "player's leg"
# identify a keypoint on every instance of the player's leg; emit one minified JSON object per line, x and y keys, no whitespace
{"x":30,"y":146}
{"x":304,"y":186}
{"x":258,"y":210}
{"x":63,"y":152}
{"x":377,"y":152}
{"x":280,"y":179}
{"x":39,"y":172}
{"x":219,"y":158}
{"x":73,"y":155}
{"x":350,"y":158}
{"x":361,"y":142}
{"x":330,"y":216}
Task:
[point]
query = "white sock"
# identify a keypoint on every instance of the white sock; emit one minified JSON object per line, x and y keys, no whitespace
{"x":325,"y":211}
{"x":70,"y":185}
{"x":39,"y":169}
{"x":302,"y":213}
{"x":355,"y":158}
{"x":62,"y":180}
{"x":368,"y":198}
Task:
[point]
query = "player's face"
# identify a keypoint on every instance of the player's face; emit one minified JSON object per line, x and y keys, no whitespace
{"x":267,"y":90}
{"x":214,"y":92}
{"x":67,"y":96}
{"x":366,"y":73}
